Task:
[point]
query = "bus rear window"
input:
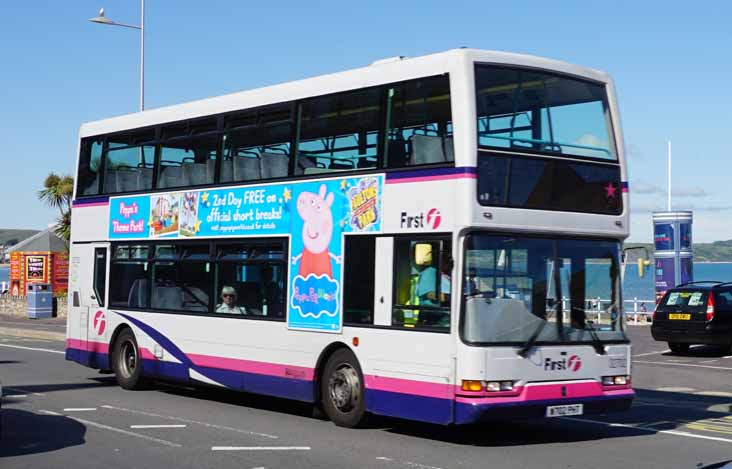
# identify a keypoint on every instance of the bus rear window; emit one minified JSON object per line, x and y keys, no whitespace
{"x":688,"y":300}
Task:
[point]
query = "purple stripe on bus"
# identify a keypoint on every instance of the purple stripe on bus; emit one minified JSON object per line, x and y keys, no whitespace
{"x":426,"y":173}
{"x":91,"y":202}
{"x":409,"y":406}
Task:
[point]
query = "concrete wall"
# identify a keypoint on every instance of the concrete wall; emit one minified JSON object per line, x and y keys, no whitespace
{"x":18,"y":305}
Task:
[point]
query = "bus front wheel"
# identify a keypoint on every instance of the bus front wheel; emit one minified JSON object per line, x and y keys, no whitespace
{"x":342,"y":389}
{"x":127,"y":362}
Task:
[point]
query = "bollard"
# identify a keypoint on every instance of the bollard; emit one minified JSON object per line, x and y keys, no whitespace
{"x":635,"y":310}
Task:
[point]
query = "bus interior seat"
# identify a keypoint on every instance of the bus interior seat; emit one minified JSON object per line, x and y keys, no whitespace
{"x":194,"y":174}
{"x":167,"y":297}
{"x":247,"y":168}
{"x":304,"y":162}
{"x":210,"y":170}
{"x":144,"y":178}
{"x":110,"y":181}
{"x":127,"y":180}
{"x":426,"y":149}
{"x":195,"y":299}
{"x":274,"y":165}
{"x":227,"y":171}
{"x":171,"y":176}
{"x":137,"y":297}
{"x":341,"y":164}
{"x":366,"y":162}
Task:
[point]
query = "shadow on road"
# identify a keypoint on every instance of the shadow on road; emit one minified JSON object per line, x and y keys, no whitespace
{"x":46,"y":388}
{"x":28,"y":433}
{"x":702,"y":351}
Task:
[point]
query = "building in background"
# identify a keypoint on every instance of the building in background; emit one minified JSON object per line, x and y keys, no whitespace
{"x":42,"y":258}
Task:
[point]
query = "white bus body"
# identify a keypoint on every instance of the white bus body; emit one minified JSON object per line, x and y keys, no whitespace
{"x":431,"y":375}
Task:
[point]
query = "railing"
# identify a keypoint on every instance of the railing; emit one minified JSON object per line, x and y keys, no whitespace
{"x":639,"y":311}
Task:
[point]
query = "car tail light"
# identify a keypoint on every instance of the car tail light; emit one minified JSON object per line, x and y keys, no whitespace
{"x":710,"y":307}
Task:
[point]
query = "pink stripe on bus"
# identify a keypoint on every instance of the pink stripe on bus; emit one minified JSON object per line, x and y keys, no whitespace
{"x":408,"y":386}
{"x":249,"y":366}
{"x":439,"y":177}
{"x":89,"y":346}
{"x":550,"y":392}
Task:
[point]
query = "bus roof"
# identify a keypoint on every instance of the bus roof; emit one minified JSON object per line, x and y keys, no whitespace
{"x":378,"y":73}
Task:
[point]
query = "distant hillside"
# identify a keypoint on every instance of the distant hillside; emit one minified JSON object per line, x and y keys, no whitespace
{"x":15,"y":236}
{"x":718,"y":251}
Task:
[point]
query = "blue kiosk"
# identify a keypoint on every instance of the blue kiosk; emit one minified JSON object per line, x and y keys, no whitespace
{"x":673,"y":253}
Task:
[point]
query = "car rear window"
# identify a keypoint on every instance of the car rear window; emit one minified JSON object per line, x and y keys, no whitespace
{"x":689,"y":300}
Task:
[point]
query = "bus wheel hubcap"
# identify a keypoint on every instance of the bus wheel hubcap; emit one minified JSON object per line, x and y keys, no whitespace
{"x":128,"y":359}
{"x":345,"y":388}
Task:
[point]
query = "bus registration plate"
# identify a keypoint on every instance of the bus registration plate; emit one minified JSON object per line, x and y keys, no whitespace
{"x":682,"y":317}
{"x":563,"y":410}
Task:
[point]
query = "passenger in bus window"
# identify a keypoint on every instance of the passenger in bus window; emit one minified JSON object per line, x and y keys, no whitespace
{"x":228,"y":297}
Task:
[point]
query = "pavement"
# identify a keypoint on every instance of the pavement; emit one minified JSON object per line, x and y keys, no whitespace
{"x":59,"y":414}
{"x":45,"y":329}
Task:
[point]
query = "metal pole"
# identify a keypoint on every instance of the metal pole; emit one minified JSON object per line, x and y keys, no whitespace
{"x":142,"y":56}
{"x":669,"y":175}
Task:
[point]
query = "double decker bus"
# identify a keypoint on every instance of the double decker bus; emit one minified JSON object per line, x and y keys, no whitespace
{"x":419,"y":238}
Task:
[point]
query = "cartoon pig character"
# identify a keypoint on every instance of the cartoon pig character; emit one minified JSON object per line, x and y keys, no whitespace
{"x":317,"y":231}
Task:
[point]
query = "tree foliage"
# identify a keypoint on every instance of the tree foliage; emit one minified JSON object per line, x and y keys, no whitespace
{"x":57,"y":193}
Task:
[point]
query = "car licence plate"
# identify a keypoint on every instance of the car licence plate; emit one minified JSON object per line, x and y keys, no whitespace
{"x":563,"y":410}
{"x":678,"y":316}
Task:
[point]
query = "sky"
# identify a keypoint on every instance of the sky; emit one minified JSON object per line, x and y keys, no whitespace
{"x":670,"y":61}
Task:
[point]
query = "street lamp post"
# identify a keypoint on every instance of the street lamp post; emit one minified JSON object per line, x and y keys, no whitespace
{"x":101,"y":19}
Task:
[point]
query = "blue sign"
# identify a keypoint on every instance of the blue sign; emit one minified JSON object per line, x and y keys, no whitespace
{"x":663,"y":236}
{"x":129,"y":217}
{"x":315,"y":214}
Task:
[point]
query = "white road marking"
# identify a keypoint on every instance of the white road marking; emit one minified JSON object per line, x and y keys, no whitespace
{"x":158,"y":426}
{"x":125,"y":432}
{"x":260,"y":448}
{"x":684,"y":364}
{"x":407,"y":463}
{"x":675,"y":389}
{"x":179,"y":419}
{"x":650,"y":430}
{"x":48,"y":412}
{"x":652,"y":353}
{"x":33,"y":348}
{"x":714,"y":393}
{"x":709,"y":361}
{"x":80,"y":409}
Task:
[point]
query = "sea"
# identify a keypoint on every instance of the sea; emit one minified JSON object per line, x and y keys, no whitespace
{"x":634,"y":287}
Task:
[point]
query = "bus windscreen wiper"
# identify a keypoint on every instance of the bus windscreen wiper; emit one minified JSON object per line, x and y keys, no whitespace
{"x":596,"y":342}
{"x":532,"y":340}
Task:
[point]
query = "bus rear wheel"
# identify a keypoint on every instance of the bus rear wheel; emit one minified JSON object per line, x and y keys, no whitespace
{"x":127,"y":362}
{"x":342,"y":390}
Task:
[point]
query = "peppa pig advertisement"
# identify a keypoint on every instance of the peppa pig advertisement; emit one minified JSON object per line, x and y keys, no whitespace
{"x":315,"y":214}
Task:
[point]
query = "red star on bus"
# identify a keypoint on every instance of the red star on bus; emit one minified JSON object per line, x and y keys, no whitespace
{"x":610,"y":190}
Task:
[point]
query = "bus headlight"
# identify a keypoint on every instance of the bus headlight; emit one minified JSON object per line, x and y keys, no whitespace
{"x":497,"y":386}
{"x":621,"y":380}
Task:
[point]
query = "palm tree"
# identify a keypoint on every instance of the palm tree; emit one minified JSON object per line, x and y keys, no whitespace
{"x":57,"y":192}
